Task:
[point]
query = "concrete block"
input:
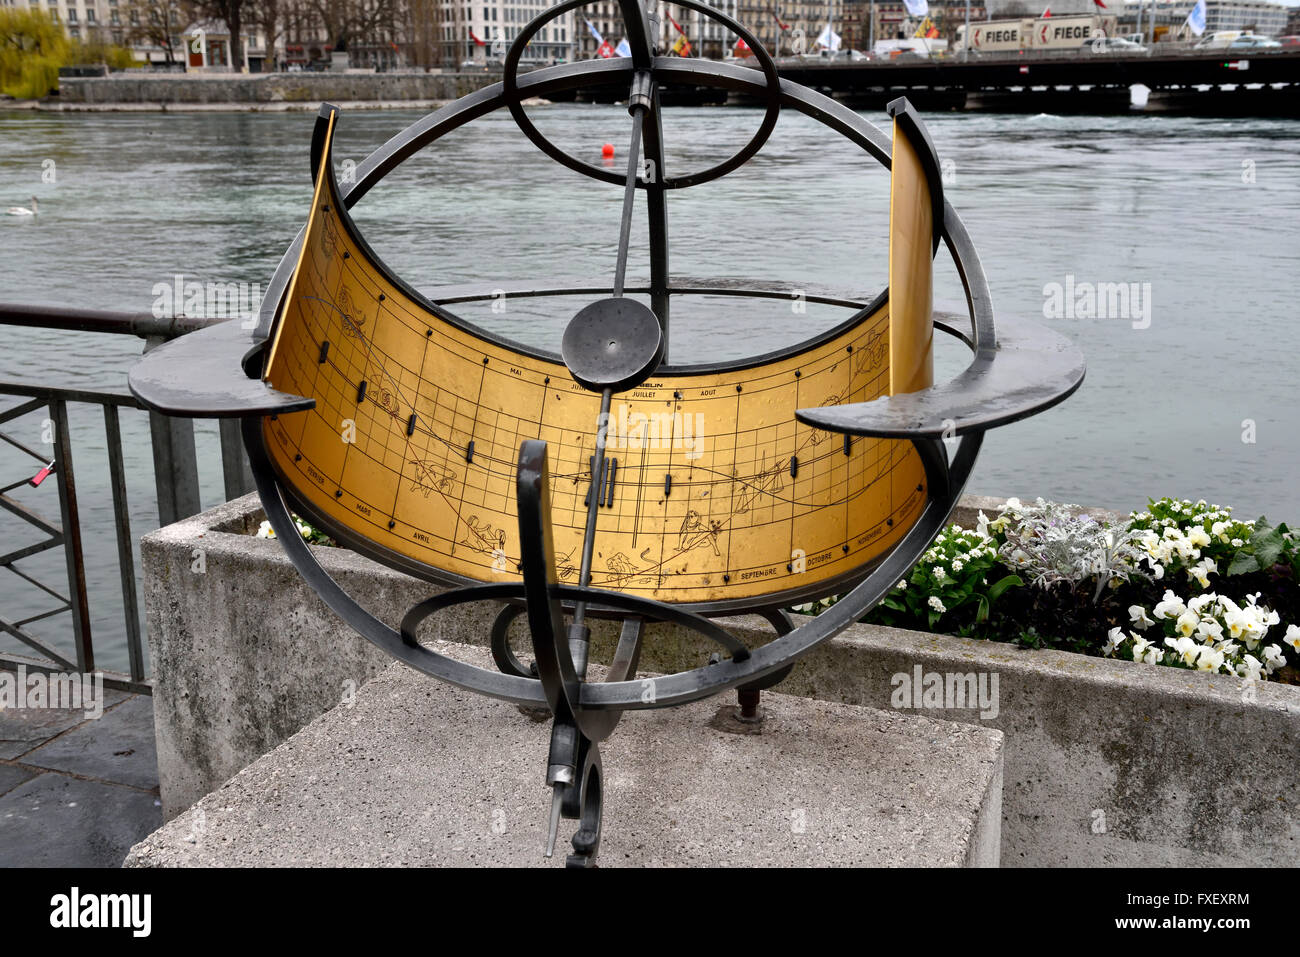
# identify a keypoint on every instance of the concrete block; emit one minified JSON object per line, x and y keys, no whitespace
{"x":418,"y":773}
{"x":1107,"y":762}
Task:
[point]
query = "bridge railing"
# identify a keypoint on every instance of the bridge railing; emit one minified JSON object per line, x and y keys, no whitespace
{"x":176,"y":478}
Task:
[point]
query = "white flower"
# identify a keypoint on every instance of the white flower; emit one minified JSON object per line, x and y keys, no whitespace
{"x":1013,"y":503}
{"x":1185,"y":648}
{"x":1201,"y":571}
{"x":1140,"y":648}
{"x":982,"y":525}
{"x":1138,"y":615}
{"x":1237,"y":543}
{"x":1209,"y":630}
{"x":1197,"y":537}
{"x":902,"y":586}
{"x":936,"y":604}
{"x":1169,"y":607}
{"x":1114,"y":638}
{"x":1293,"y":636}
{"x":1187,"y":622}
{"x":957,"y":564}
{"x":1249,"y":668}
{"x":1209,"y":659}
{"x":1273,"y":658}
{"x":265,"y":530}
{"x":940,"y":573}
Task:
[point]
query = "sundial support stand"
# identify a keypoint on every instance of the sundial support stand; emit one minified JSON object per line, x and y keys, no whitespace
{"x":450,"y":418}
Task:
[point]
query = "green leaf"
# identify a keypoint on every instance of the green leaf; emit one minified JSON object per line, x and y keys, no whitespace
{"x":999,"y":587}
{"x":982,"y":613}
{"x":1267,"y":546}
{"x":1243,"y":564}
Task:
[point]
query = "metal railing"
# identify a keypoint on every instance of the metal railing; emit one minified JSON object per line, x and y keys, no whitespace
{"x":176,"y":479}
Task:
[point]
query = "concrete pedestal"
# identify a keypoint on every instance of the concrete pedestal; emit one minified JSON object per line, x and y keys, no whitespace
{"x":419,"y":773}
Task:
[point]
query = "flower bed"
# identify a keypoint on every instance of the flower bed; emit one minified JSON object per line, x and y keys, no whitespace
{"x":1182,"y":584}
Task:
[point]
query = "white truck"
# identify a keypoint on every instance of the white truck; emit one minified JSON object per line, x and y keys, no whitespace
{"x":1042,"y":33}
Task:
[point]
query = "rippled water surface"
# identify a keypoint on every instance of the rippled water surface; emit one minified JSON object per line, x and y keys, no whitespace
{"x":140,"y":198}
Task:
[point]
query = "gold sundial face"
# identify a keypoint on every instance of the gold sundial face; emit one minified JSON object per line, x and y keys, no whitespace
{"x":715,"y":493}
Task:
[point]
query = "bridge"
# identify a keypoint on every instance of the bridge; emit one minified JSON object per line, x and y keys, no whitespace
{"x":1222,"y":83}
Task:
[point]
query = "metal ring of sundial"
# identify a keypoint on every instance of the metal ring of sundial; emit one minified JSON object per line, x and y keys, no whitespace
{"x":642,"y":60}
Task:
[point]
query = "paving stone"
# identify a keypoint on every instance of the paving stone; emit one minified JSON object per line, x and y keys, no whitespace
{"x":12,"y":775}
{"x":117,"y":747}
{"x":22,"y":729}
{"x":57,"y":821}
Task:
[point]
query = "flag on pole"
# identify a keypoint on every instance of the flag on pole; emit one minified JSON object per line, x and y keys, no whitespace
{"x":783,"y":26}
{"x":682,"y":46}
{"x":1196,"y":19}
{"x":741,"y":48}
{"x":829,"y":39}
{"x":477,"y":41}
{"x":917,"y":8}
{"x":604,"y":51}
{"x":1100,"y":4}
{"x":595,"y":33}
{"x":624,"y":48}
{"x":675,"y":24}
{"x":926,"y":30}
{"x":1047,"y":13}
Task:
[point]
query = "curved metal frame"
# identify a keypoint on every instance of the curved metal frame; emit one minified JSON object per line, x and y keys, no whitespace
{"x":870,"y":584}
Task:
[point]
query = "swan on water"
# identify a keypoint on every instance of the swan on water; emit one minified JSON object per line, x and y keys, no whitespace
{"x":24,"y":210}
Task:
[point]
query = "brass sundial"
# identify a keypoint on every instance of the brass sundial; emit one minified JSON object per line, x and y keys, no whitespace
{"x":600,"y":479}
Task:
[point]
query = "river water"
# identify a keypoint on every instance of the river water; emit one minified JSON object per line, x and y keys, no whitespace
{"x":1194,"y":396}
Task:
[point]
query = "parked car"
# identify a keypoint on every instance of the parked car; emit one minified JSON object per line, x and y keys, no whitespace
{"x":1291,"y":41}
{"x":1113,"y":45}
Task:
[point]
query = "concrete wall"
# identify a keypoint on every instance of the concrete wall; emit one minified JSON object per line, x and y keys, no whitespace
{"x":1106,"y":762}
{"x":272,"y":90}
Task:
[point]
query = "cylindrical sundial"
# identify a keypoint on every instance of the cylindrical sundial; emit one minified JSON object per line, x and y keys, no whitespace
{"x":600,"y":479}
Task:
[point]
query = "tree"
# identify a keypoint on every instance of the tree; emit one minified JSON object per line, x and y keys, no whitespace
{"x":232,"y":12}
{"x":347,"y":20}
{"x":157,"y":23}
{"x":269,"y":15}
{"x":32,"y":48}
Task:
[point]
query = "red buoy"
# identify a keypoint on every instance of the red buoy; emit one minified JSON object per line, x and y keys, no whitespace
{"x":607,"y":151}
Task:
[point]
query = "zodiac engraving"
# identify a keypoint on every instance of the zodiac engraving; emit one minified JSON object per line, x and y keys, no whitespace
{"x":695,"y":532}
{"x":482,"y":537}
{"x":329,"y":236}
{"x":872,"y":355}
{"x":622,"y":571}
{"x":770,"y":481}
{"x":432,"y":476}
